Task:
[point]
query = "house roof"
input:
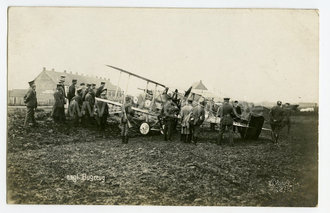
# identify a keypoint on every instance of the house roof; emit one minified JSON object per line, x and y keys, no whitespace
{"x":199,"y":85}
{"x":55,"y":77}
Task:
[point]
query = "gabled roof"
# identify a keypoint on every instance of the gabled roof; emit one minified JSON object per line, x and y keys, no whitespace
{"x":199,"y":85}
{"x":55,"y":77}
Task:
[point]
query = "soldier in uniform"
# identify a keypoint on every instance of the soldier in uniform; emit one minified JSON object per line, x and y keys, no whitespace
{"x":226,"y":113}
{"x":72,"y":90}
{"x":86,"y":91}
{"x":170,"y":110}
{"x":99,"y":90}
{"x":88,"y":106}
{"x":276,"y":117}
{"x":126,"y":119}
{"x":58,"y":108}
{"x":75,"y":107}
{"x":30,"y":99}
{"x":185,"y":116}
{"x":237,"y":113}
{"x":102,"y":111}
{"x":198,"y":115}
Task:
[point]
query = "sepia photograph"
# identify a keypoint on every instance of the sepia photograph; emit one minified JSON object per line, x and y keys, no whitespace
{"x":162,"y":106}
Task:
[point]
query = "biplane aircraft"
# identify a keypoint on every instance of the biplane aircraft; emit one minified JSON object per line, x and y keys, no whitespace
{"x":148,"y":105}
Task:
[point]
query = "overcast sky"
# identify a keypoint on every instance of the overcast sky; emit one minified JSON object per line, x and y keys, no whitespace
{"x":254,"y":55}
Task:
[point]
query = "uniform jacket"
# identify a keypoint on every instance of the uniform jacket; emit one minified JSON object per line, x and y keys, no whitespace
{"x":276,"y":114}
{"x":169,"y":110}
{"x":185,"y":114}
{"x":78,"y":99}
{"x":72,"y":92}
{"x":99,"y":91}
{"x":89,"y":98}
{"x":198,"y":114}
{"x":59,"y":99}
{"x":226,"y":113}
{"x":30,"y":98}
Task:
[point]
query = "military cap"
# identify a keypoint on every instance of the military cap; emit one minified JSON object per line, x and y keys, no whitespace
{"x":127,"y":98}
{"x":104,"y":92}
{"x":93,"y":84}
{"x":102,"y":83}
{"x":88,"y":85}
{"x":58,"y":85}
{"x":226,"y":99}
{"x":279,"y":102}
{"x":74,"y":80}
{"x":236,"y":101}
{"x":31,"y":83}
{"x":82,"y":84}
{"x":61,"y":81}
{"x":62,"y":76}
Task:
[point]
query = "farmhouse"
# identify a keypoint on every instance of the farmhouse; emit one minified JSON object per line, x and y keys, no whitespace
{"x":46,"y":83}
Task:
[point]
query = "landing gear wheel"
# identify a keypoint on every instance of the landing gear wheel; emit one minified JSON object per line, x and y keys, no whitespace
{"x":144,"y":128}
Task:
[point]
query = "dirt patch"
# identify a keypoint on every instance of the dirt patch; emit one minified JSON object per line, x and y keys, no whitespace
{"x":46,"y":165}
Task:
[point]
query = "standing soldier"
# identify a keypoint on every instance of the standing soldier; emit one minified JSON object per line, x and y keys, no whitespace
{"x":88,"y":104}
{"x":86,"y":91}
{"x":83,"y":89}
{"x":185,"y":116}
{"x":198,"y":115}
{"x":226,"y":113}
{"x":72,"y":90}
{"x":99,"y":90}
{"x":75,"y":107}
{"x":126,"y":119}
{"x":58,"y":107}
{"x":30,"y":99}
{"x":169,"y":113}
{"x":102,"y":111}
{"x":237,"y":113}
{"x":276,"y":117}
{"x":93,"y":90}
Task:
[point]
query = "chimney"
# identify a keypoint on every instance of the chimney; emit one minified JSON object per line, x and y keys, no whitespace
{"x":44,"y":69}
{"x":53,"y":69}
{"x":76,"y":73}
{"x":70,"y":72}
{"x":64,"y":71}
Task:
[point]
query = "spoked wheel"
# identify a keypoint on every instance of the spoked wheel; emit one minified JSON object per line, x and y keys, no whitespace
{"x":144,"y":128}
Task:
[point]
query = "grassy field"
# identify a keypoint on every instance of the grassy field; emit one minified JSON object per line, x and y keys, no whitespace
{"x":43,"y":162}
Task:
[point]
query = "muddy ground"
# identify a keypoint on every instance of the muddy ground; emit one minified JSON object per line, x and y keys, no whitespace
{"x":43,"y":162}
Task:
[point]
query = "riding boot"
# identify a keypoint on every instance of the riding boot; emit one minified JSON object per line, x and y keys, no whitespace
{"x":126,"y":139}
{"x":123,"y":139}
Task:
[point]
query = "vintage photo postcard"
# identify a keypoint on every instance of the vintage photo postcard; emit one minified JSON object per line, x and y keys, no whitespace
{"x":162,"y":106}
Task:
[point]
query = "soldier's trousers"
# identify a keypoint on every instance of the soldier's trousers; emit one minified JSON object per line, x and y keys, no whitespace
{"x":223,"y":129}
{"x":29,"y":118}
{"x":124,"y":129}
{"x":168,"y":128}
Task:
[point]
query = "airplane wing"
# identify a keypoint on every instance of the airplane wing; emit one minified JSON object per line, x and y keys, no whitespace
{"x":135,"y":75}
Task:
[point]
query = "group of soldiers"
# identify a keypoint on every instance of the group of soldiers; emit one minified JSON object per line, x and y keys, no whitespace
{"x":192,"y":117}
{"x":84,"y":109}
{"x":82,"y":105}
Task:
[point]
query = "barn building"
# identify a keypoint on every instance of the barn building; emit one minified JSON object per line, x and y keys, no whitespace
{"x":46,"y":83}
